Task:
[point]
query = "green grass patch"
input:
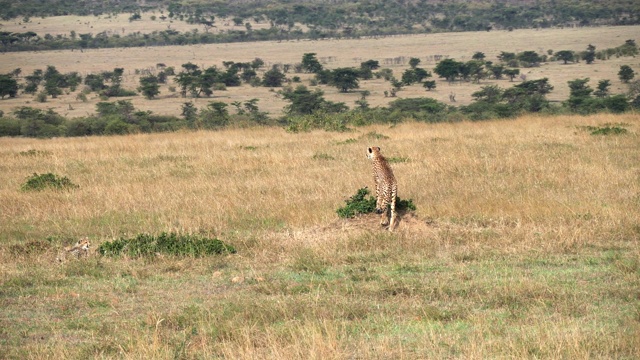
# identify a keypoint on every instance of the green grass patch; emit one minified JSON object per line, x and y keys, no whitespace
{"x":39,"y":182}
{"x":145,"y":245}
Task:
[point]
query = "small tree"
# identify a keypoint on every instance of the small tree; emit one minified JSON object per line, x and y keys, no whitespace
{"x":448,"y":69}
{"x":478,"y":56}
{"x":310,"y":63}
{"x":95,"y":82}
{"x":8,"y":86}
{"x":626,"y":73}
{"x":512,"y":73}
{"x":149,"y":86}
{"x":529,"y":58}
{"x":429,"y":85}
{"x":603,"y":88}
{"x":413,"y":62}
{"x":590,"y":55}
{"x":345,"y":79}
{"x":273,"y":77}
{"x":565,"y":55}
{"x":190,"y":113}
{"x":490,"y":94}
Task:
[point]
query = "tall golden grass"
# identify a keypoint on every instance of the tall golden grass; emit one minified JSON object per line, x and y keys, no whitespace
{"x":524,"y":244}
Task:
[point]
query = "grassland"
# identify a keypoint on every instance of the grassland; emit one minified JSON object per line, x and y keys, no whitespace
{"x":525,"y":244}
{"x":392,"y":52}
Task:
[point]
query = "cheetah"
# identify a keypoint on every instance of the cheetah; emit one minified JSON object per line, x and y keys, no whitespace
{"x":81,"y":248}
{"x":386,"y":187}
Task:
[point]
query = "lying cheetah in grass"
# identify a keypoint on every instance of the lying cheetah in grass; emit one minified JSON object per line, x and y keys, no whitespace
{"x":81,"y":248}
{"x":386,"y":187}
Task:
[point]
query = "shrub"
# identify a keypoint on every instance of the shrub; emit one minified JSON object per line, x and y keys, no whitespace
{"x":165,"y":243}
{"x":9,"y":127}
{"x":39,"y":182}
{"x":358,"y":204}
{"x":605,"y":130}
{"x":361,"y":204}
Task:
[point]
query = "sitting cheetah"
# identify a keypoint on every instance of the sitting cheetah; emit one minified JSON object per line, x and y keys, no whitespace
{"x":386,"y":187}
{"x":81,"y":248}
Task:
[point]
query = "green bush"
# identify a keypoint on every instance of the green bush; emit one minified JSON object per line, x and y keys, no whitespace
{"x":360,"y":203}
{"x":165,"y":243}
{"x":39,"y":182}
{"x":605,"y":130}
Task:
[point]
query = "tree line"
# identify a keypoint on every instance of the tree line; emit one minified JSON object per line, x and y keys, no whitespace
{"x":307,"y":109}
{"x":339,"y":18}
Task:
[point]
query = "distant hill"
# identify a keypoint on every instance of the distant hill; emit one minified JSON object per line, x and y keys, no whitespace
{"x":354,"y":18}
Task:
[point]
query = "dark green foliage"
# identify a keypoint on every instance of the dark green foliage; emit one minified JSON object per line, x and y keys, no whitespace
{"x":323,"y":19}
{"x":626,"y":73}
{"x":345,"y":79}
{"x":608,"y":129}
{"x":565,"y":55}
{"x":310,"y":63}
{"x":39,"y":182}
{"x":149,"y":86}
{"x":360,"y":203}
{"x":273,"y":78}
{"x":449,"y":69}
{"x":145,"y":245}
{"x":8,"y":86}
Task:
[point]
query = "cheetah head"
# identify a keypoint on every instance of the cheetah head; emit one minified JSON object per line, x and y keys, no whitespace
{"x":373,"y":152}
{"x":83,"y":244}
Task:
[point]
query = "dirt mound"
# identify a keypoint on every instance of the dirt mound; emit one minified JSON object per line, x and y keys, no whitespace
{"x":409,"y":224}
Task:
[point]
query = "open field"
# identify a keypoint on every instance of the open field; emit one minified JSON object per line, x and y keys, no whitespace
{"x":525,"y":244}
{"x":334,"y":54}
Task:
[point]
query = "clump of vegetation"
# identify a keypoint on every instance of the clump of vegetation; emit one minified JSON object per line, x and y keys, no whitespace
{"x":323,"y":156}
{"x":39,"y":182}
{"x":395,"y":160}
{"x":605,"y":130}
{"x":360,"y":203}
{"x":34,"y":152}
{"x":166,"y":243}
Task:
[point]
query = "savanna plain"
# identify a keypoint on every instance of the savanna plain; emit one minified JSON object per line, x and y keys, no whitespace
{"x":524,"y":244}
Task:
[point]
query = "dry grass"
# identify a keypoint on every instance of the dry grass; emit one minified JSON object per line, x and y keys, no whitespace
{"x":525,"y":244}
{"x":333,"y":53}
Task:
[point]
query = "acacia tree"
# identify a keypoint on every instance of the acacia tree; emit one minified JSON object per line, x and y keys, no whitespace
{"x":590,"y":55}
{"x":529,"y":58}
{"x":149,"y":86}
{"x":310,"y":63}
{"x":565,"y":55}
{"x":603,"y":88}
{"x":512,"y":73}
{"x":345,"y":79}
{"x":626,"y":73}
{"x":448,"y":69}
{"x":303,"y":101}
{"x":273,"y":78}
{"x":8,"y":86}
